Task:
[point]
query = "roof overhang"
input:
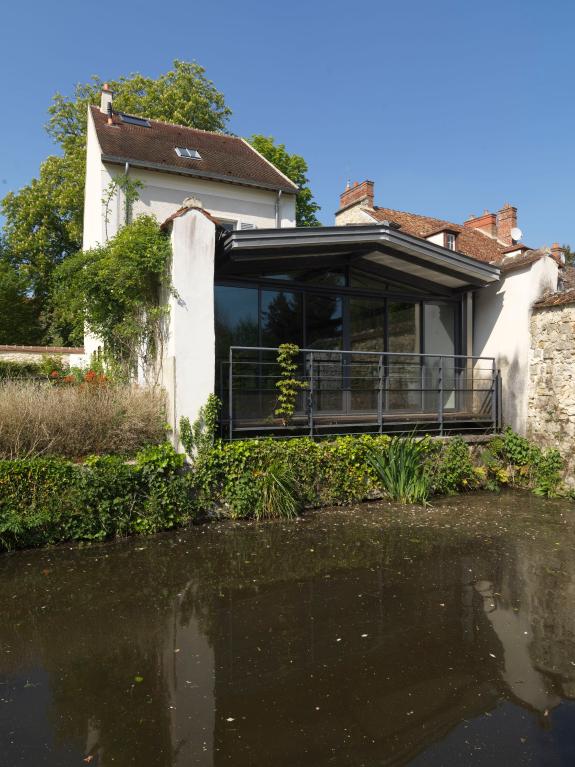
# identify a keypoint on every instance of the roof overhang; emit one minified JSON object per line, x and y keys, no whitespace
{"x":206,"y":175}
{"x":383,"y":246}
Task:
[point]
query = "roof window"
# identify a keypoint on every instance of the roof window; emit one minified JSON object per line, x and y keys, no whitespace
{"x":190,"y":154}
{"x":141,"y":121}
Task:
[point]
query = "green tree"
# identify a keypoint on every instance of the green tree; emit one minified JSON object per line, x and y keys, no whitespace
{"x":569,"y":255}
{"x":17,"y":310}
{"x":295,"y":168}
{"x":43,"y":220}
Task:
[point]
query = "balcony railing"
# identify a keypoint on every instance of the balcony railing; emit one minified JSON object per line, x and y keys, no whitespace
{"x":351,"y":392}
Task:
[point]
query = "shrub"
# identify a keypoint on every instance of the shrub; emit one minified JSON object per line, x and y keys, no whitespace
{"x":400,"y":468}
{"x":48,"y":500}
{"x":452,"y":469}
{"x":37,"y":418}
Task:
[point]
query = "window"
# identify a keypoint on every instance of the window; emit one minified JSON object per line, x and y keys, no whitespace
{"x":141,"y":121}
{"x":450,"y":241}
{"x":229,"y":226}
{"x":190,"y":154}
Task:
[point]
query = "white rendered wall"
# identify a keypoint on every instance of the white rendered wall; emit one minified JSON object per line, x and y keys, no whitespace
{"x":189,"y":359}
{"x":163,"y":193}
{"x":501,"y":330}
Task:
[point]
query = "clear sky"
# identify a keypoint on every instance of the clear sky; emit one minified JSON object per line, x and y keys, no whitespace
{"x":451,"y":107}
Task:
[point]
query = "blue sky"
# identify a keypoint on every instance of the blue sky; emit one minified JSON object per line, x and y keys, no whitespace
{"x":450,"y":107}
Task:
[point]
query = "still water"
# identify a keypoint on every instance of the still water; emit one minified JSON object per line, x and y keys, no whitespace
{"x":370,"y":636}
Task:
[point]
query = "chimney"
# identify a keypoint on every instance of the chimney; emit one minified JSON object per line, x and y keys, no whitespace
{"x":557,"y":253}
{"x":506,"y":221}
{"x":357,"y":194}
{"x":106,"y":99}
{"x":487,"y":223}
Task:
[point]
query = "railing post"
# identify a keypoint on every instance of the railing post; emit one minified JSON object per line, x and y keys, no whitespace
{"x":310,"y":395}
{"x":230,"y":395}
{"x":440,"y":388}
{"x":380,"y":393}
{"x":494,"y":396}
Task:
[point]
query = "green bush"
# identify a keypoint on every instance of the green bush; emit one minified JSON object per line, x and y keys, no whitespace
{"x":451,"y":469}
{"x":44,"y":501}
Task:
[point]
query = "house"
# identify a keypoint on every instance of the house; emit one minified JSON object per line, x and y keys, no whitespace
{"x":499,"y":314}
{"x":402,"y":321}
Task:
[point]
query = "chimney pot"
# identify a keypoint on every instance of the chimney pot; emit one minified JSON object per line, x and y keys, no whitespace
{"x":485,"y":223}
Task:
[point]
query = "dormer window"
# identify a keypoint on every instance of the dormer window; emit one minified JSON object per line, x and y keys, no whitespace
{"x":449,"y":241}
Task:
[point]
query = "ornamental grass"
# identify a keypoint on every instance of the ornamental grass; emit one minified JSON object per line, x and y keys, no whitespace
{"x":39,"y":418}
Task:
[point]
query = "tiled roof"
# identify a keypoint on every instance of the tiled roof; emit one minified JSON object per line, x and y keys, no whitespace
{"x":557,"y":299}
{"x":568,"y":277}
{"x":223,"y":158}
{"x":470,"y":242}
{"x":523,"y":259}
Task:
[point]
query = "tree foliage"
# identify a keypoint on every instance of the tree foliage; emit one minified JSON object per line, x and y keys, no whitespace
{"x":295,"y":168}
{"x":43,"y":220}
{"x":569,"y":255}
{"x":17,"y":310}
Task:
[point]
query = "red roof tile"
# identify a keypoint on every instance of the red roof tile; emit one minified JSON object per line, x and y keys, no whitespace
{"x":556,"y":299}
{"x":223,"y":158}
{"x":470,"y":242}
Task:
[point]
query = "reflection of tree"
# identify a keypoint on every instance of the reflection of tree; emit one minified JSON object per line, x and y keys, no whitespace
{"x":324,"y":321}
{"x":281,"y":320}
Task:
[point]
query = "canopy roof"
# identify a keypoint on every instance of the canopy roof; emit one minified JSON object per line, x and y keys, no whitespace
{"x":380,"y":247}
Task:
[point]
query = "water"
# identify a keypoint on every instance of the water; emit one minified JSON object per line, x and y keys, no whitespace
{"x":370,"y":636}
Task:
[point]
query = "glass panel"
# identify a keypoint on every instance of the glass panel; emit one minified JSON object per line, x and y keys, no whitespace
{"x":281,"y":323}
{"x":367,"y":333}
{"x":376,"y":282}
{"x":236,"y":324}
{"x":324,"y":330}
{"x":403,"y":380}
{"x":281,"y":318}
{"x":439,"y":338}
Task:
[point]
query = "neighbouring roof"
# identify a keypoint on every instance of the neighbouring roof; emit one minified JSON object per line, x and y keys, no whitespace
{"x":568,"y":277}
{"x":470,"y":242}
{"x":556,"y":299}
{"x":223,"y":158}
{"x":510,"y":263}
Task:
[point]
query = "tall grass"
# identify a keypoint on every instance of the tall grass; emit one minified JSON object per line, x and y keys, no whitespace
{"x":401,"y":470}
{"x":279,"y":493}
{"x":38,"y":418}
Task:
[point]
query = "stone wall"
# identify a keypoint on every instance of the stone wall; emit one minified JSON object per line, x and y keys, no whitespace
{"x":551,"y":385}
{"x":69,"y":356}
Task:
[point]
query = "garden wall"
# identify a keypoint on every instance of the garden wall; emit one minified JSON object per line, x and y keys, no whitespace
{"x":69,"y":356}
{"x":551,"y":386}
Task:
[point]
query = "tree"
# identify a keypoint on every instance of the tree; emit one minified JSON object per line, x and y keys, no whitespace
{"x":17,"y":310}
{"x":44,"y":219}
{"x":295,"y":168}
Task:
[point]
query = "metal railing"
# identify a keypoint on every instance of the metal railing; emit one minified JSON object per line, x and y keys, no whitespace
{"x":350,"y":392}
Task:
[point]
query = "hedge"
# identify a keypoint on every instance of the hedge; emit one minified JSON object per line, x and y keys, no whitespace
{"x":49,"y":500}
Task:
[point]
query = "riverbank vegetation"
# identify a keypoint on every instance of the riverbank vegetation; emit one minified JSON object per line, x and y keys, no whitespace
{"x":47,"y":500}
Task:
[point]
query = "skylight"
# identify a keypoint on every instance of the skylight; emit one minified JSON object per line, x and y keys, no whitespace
{"x":190,"y":154}
{"x":141,"y":121}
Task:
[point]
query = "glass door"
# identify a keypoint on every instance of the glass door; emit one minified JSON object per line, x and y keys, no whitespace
{"x":324,"y":331}
{"x":439,"y":339}
{"x":366,"y":334}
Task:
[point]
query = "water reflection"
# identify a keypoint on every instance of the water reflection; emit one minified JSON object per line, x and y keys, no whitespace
{"x":357,"y":637}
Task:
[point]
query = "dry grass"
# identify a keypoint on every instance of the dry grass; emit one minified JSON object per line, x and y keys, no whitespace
{"x":38,"y":418}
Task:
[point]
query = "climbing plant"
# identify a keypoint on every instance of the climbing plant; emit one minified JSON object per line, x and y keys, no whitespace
{"x":118,"y":292}
{"x":288,"y":385}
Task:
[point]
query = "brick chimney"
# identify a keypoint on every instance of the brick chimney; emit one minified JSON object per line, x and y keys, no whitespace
{"x":106,"y":99}
{"x":356,"y":194}
{"x":557,"y":253}
{"x":487,"y":223}
{"x":506,"y":221}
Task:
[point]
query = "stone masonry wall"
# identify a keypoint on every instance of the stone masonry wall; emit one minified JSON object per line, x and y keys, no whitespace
{"x":551,"y":385}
